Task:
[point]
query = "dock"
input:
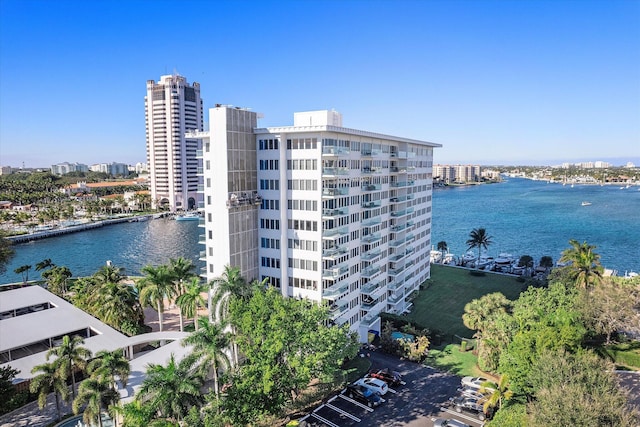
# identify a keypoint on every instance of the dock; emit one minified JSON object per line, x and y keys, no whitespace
{"x":23,"y":238}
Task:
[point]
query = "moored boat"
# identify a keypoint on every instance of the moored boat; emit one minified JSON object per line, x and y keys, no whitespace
{"x":189,"y":216}
{"x":586,"y":203}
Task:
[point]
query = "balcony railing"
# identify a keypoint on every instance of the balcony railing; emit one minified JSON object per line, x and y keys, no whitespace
{"x":396,"y":271}
{"x":335,"y":232}
{"x":398,"y":184}
{"x":333,"y":273}
{"x":331,"y":213}
{"x":371,"y":187}
{"x":369,"y":272}
{"x":333,"y":192}
{"x":334,"y":252}
{"x":202,"y":239}
{"x":371,"y":204}
{"x":371,"y":288}
{"x":335,"y":291}
{"x":371,"y":255}
{"x":370,"y":238}
{"x":395,"y":299}
{"x":335,"y":171}
{"x":334,"y":151}
{"x":372,"y":221}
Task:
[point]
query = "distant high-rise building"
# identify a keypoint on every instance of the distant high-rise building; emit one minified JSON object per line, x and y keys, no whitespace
{"x":173,"y":107}
{"x":66,"y":167}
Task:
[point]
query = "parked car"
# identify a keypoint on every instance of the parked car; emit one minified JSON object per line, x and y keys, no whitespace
{"x":363,"y":395}
{"x":374,"y":384}
{"x":470,"y":406}
{"x":442,"y":422}
{"x":473,"y":393}
{"x":474,"y":383}
{"x":390,"y":377}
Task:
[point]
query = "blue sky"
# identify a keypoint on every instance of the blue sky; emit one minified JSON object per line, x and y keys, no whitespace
{"x":494,"y":82}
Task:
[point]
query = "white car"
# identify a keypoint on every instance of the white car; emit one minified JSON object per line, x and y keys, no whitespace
{"x":474,"y":393}
{"x":374,"y":384}
{"x":475,"y":383}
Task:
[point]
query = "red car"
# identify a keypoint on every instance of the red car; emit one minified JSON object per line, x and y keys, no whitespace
{"x":392,"y":378}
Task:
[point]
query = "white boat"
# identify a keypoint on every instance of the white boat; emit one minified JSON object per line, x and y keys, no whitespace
{"x":450,"y":259}
{"x":436,"y":256}
{"x":586,"y":203}
{"x":189,"y":216}
{"x":469,"y":257}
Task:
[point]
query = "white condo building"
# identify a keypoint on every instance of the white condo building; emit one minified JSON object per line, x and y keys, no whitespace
{"x":335,"y":215}
{"x":172,"y":108}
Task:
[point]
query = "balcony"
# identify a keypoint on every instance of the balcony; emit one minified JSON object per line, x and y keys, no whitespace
{"x":371,"y":204}
{"x":369,"y":319}
{"x":400,"y":184}
{"x":396,"y":271}
{"x":335,"y":233}
{"x":370,"y":170}
{"x":368,"y":305}
{"x":370,"y":272}
{"x":200,"y":205}
{"x":335,"y":171}
{"x":400,"y":199}
{"x":369,"y":152}
{"x":370,"y":238}
{"x":198,"y":154}
{"x":200,"y":171}
{"x":396,"y":285}
{"x":370,"y":288}
{"x":397,"y":257}
{"x":397,"y":242}
{"x":335,"y":272}
{"x":334,"y":252}
{"x":336,"y":310}
{"x":371,"y":255}
{"x":334,"y":213}
{"x":395,"y":169}
{"x":202,"y":256}
{"x":399,"y":227}
{"x":371,"y":221}
{"x":335,"y":291}
{"x":395,"y":299}
{"x":371,"y":187}
{"x":335,"y":151}
{"x":202,"y":239}
{"x":335,"y":192}
{"x":200,"y":188}
{"x":402,"y":212}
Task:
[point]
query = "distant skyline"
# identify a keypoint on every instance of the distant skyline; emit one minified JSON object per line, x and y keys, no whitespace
{"x":495,"y":82}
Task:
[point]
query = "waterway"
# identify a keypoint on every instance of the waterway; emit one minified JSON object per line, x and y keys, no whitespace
{"x":522,"y":217}
{"x":526,"y":217}
{"x":130,"y":245}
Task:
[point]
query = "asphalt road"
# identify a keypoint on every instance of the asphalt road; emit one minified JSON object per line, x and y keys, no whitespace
{"x":414,"y":404}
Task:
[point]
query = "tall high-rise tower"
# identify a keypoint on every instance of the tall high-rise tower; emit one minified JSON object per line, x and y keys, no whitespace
{"x":173,"y":107}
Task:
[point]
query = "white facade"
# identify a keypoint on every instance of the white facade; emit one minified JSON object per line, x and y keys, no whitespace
{"x":66,"y":167}
{"x":173,"y":107}
{"x":344,"y":215}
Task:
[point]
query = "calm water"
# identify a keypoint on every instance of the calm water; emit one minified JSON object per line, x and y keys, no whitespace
{"x":131,"y":245}
{"x":538,"y":219}
{"x":522,"y":216}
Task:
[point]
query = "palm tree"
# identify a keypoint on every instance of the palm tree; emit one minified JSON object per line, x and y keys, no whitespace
{"x":478,"y":313}
{"x":527,"y":262}
{"x":182,"y":270}
{"x":109,"y":273}
{"x":45,"y":263}
{"x":24,"y":270}
{"x":210,"y":343}
{"x":135,"y":414}
{"x":116,"y":304}
{"x":109,"y":365}
{"x":498,"y":392}
{"x":97,"y":394}
{"x":155,"y":287}
{"x":546,"y":262}
{"x":442,"y":246}
{"x":56,"y":279}
{"x":191,"y":300}
{"x":478,"y":238}
{"x":6,"y":252}
{"x":70,"y":355}
{"x":585,"y":268}
{"x":49,"y":381}
{"x":171,"y":390}
{"x":223,"y":287}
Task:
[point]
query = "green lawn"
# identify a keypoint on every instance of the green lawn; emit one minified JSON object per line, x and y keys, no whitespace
{"x":451,"y":359}
{"x":441,"y":305}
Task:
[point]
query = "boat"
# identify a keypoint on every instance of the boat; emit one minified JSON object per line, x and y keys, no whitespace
{"x":586,"y":203}
{"x":450,"y":259}
{"x":189,"y":216}
{"x":469,"y":257}
{"x":436,"y":256}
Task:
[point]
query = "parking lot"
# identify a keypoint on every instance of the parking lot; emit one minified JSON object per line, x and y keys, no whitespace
{"x":422,"y":399}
